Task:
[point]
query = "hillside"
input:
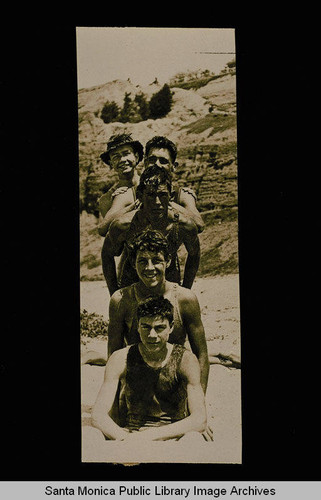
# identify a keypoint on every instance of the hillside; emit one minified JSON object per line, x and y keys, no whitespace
{"x":202,"y":123}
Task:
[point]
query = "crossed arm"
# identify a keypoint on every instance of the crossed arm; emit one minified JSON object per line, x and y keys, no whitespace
{"x":115,"y":369}
{"x":121,"y":202}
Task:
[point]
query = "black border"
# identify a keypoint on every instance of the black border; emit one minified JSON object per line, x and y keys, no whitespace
{"x":40,"y":368}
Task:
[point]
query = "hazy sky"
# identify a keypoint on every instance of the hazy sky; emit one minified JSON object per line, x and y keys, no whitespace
{"x":141,"y":54}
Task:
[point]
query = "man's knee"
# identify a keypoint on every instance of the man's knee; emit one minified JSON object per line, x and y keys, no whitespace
{"x":92,"y":435}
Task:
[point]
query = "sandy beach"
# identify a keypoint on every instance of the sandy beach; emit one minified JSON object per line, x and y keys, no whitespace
{"x":219,"y":301}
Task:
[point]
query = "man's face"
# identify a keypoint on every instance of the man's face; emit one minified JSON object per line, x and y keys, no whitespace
{"x":123,"y":159}
{"x":161,"y":158}
{"x":150,"y":267}
{"x":156,"y":200}
{"x":154,"y":332}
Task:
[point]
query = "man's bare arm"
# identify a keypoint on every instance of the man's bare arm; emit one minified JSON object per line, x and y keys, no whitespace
{"x":120,"y":203}
{"x":109,"y":265}
{"x":100,"y":415}
{"x":116,"y":325}
{"x":187,"y":199}
{"x":191,"y":316}
{"x":192,"y":245}
{"x":104,"y":203}
{"x":112,"y":247}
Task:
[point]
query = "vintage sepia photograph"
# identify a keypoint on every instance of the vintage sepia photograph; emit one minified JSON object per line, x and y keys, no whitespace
{"x":160,"y":327}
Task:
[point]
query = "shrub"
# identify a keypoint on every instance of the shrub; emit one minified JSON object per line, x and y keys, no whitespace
{"x":110,"y":112}
{"x":126,"y":111}
{"x":143,"y":106}
{"x":161,"y":102}
{"x":92,"y":324}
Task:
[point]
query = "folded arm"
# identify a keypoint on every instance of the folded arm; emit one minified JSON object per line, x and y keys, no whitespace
{"x":121,"y":202}
{"x":196,"y":420}
{"x":115,"y":367}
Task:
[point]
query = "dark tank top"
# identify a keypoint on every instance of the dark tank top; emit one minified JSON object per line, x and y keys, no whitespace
{"x":154,"y":396}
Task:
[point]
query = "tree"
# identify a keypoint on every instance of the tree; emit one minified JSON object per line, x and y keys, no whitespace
{"x":126,"y":110}
{"x":142,"y":104}
{"x":161,"y":103}
{"x":110,"y":112}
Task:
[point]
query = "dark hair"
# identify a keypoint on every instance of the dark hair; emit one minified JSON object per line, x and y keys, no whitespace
{"x":150,"y":240}
{"x":154,"y":176}
{"x":161,"y":142}
{"x":156,"y":306}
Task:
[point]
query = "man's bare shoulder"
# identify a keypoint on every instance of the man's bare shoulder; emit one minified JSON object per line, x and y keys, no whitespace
{"x":119,"y":355}
{"x":121,"y":297}
{"x":189,"y":366}
{"x":187,"y":300}
{"x":185,"y":294}
{"x":117,"y":361}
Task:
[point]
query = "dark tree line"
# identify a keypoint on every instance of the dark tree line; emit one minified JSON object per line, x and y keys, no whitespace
{"x":138,"y":109}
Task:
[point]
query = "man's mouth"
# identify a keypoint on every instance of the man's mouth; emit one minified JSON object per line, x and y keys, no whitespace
{"x":150,"y":276}
{"x":125,"y":166}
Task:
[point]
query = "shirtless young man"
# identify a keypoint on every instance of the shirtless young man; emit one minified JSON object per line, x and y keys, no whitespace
{"x":161,"y":384}
{"x":155,"y":212}
{"x":123,"y":155}
{"x":162,"y":152}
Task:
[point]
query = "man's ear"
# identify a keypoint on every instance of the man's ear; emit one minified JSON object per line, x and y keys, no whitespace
{"x":175,"y":165}
{"x":171,"y":327}
{"x":137,"y":157}
{"x":168,"y":262}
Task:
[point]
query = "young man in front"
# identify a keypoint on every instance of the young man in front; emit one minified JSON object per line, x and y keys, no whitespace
{"x":160,"y":383}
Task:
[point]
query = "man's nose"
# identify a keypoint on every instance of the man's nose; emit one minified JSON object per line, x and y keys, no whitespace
{"x":149,"y":264}
{"x":152,"y":333}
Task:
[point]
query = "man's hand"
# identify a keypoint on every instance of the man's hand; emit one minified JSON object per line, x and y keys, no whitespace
{"x":139,"y":436}
{"x":208,"y":433}
{"x":228,"y":360}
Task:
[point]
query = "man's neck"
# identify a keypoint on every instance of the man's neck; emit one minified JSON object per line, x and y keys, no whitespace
{"x":155,"y":222}
{"x":157,"y":359}
{"x":129,"y":180}
{"x":159,"y":289}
